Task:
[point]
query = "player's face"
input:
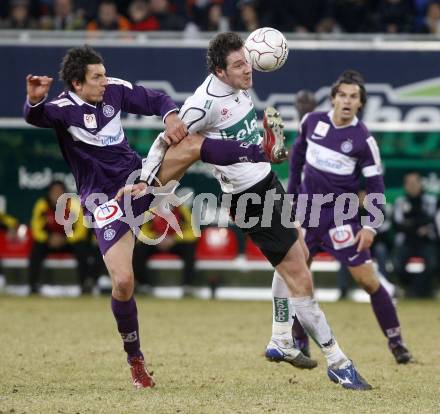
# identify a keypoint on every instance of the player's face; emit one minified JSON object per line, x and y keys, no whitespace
{"x":238,"y":72}
{"x":346,"y":103}
{"x":413,"y":185}
{"x":93,"y":88}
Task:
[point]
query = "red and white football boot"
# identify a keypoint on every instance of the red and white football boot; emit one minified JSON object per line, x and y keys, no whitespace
{"x":139,"y":373}
{"x":273,"y":138}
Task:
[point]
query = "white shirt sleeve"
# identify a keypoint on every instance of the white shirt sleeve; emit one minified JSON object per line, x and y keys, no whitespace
{"x":196,"y":114}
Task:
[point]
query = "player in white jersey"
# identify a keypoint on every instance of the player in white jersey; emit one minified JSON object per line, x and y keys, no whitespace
{"x":221,"y":108}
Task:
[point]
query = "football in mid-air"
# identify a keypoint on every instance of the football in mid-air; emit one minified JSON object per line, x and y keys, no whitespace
{"x":266,"y":49}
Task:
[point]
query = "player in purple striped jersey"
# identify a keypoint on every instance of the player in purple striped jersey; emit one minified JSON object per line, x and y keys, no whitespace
{"x":86,"y":118}
{"x":331,"y":152}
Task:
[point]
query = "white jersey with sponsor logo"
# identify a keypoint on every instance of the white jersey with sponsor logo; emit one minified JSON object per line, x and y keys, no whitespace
{"x":218,"y":111}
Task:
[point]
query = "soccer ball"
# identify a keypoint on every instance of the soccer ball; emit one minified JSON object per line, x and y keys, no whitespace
{"x":266,"y":49}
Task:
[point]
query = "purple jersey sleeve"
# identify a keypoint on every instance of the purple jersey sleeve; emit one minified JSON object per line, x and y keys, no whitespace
{"x":371,"y":167}
{"x":43,"y":114}
{"x":297,"y":159}
{"x":143,"y":101}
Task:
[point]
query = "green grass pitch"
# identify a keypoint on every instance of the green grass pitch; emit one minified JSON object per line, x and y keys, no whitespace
{"x":65,"y":356}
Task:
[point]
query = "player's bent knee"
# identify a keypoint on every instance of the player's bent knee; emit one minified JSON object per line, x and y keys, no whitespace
{"x":369,"y":283}
{"x":301,"y":283}
{"x":298,"y":273}
{"x":123,"y":286}
{"x":304,"y":279}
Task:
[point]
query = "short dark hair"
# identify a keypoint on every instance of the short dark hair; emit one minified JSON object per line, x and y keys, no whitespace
{"x":220,"y":47}
{"x":74,"y":64}
{"x":351,"y":77}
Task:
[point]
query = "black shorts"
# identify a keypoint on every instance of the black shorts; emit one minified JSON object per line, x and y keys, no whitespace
{"x":276,"y":240}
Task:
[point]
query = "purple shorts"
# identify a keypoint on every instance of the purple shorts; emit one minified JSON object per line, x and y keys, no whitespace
{"x":337,"y":241}
{"x":116,"y":218}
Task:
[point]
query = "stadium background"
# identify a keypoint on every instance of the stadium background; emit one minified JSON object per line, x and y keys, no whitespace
{"x":62,"y":355}
{"x":402,"y":111}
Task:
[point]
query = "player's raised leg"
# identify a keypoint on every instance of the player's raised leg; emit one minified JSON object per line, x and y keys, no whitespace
{"x":174,"y":160}
{"x":118,"y":260}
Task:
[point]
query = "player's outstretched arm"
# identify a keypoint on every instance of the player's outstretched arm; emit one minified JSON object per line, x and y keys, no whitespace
{"x":35,"y":110}
{"x":178,"y":158}
{"x":37,"y":87}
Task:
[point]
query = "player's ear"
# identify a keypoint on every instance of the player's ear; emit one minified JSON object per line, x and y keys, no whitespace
{"x":218,"y":71}
{"x":77,"y":85}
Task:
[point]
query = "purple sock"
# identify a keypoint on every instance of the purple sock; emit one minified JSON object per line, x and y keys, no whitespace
{"x":386,"y":316}
{"x":128,"y":326}
{"x":227,"y":152}
{"x":299,"y":334}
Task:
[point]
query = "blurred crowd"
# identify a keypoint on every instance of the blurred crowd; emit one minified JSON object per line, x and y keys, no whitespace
{"x":409,"y":234}
{"x":45,"y":236}
{"x":294,"y":16}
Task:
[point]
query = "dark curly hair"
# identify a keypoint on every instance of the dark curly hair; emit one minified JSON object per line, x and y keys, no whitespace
{"x":351,"y":77}
{"x":220,"y":47}
{"x":74,"y":64}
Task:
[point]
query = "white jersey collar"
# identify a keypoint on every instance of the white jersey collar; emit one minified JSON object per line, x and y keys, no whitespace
{"x":78,"y":100}
{"x":218,"y":88}
{"x":354,"y":122}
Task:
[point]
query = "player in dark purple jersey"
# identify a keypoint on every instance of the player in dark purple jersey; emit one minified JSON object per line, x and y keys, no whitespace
{"x":86,"y":118}
{"x":331,"y":153}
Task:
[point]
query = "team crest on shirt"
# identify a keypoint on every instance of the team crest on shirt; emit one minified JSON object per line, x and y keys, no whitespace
{"x":225,"y":114}
{"x":321,"y":130}
{"x":90,"y":121}
{"x":109,"y":234}
{"x":347,"y":146}
{"x":108,"y":111}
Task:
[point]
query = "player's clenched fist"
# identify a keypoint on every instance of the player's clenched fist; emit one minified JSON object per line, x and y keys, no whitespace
{"x":176,"y":129}
{"x":37,"y":87}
